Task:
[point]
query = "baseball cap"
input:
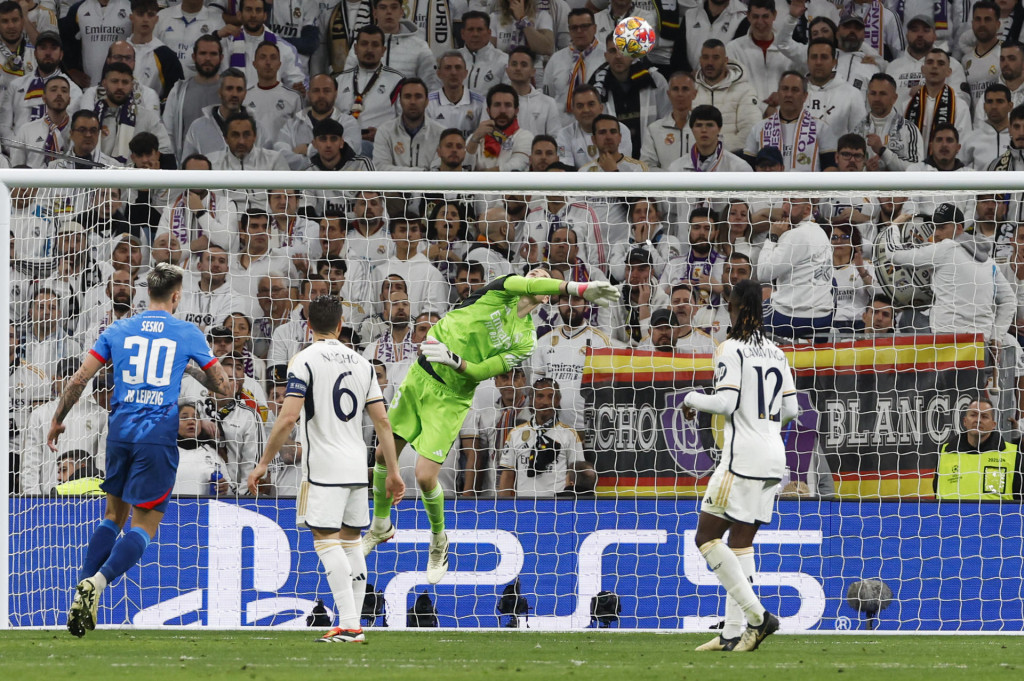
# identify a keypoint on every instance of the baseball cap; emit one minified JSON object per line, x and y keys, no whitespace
{"x":218,"y":332}
{"x":663,"y":317}
{"x":947,"y":212}
{"x":922,"y":18}
{"x":851,"y":14}
{"x":70,"y":227}
{"x":328,"y":126}
{"x":640,"y":256}
{"x":51,"y":37}
{"x":769,"y":155}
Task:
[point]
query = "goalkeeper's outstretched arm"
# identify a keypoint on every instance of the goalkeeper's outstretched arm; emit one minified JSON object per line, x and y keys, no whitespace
{"x":599,"y":292}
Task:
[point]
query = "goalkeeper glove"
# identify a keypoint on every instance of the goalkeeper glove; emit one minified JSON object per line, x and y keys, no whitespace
{"x":437,"y":352}
{"x":600,"y":292}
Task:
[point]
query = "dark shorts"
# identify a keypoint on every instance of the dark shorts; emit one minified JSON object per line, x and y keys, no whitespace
{"x":142,"y":474}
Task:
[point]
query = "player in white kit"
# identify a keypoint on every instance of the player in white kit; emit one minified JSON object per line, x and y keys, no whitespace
{"x":329,"y":387}
{"x":754,"y":390}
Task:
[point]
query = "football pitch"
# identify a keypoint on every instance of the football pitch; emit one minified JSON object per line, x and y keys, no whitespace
{"x":437,"y":655}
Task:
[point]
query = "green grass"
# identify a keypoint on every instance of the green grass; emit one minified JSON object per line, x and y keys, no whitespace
{"x":445,"y":655}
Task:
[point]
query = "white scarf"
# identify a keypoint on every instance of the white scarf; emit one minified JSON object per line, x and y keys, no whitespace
{"x":436,"y":24}
{"x":805,"y":143}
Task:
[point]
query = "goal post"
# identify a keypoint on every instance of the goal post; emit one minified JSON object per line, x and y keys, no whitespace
{"x":858,"y":504}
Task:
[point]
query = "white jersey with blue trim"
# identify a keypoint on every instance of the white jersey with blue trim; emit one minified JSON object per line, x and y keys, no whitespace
{"x":761,"y":377}
{"x":336,"y":384}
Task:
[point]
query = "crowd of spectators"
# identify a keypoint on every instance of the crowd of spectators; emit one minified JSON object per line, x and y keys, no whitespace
{"x":475,"y":86}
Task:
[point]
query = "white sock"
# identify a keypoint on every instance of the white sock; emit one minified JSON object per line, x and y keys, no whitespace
{"x":726,"y":566}
{"x":100,"y":581}
{"x":339,"y":577}
{"x":734,"y":620}
{"x":380,"y":525}
{"x":357,"y":563}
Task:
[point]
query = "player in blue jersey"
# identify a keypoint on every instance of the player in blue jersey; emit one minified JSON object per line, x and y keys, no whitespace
{"x":149,"y":353}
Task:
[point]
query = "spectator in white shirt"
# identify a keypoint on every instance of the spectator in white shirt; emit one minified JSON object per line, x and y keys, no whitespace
{"x":208,"y":301}
{"x":241,"y":49}
{"x":241,"y":152}
{"x":455,"y":105}
{"x":538,"y":457}
{"x":408,"y":142}
{"x":15,"y":43}
{"x":980,"y":57}
{"x":991,"y":134}
{"x":894,"y":142}
{"x":575,"y":145}
{"x":937,"y":101}
{"x":573,"y":66}
{"x":181,"y":26}
{"x":726,"y":86}
{"x":296,"y":138}
{"x":538,"y":112}
{"x":1011,"y":74}
{"x":51,"y":132}
{"x":830,"y":99}
{"x":123,"y":52}
{"x":906,"y":69}
{"x":297,"y":21}
{"x":88,"y":29}
{"x":498,"y":143}
{"x":516,"y":22}
{"x":268,"y":101}
{"x":405,"y":51}
{"x":206,"y":134}
{"x":121,"y":118}
{"x":369,"y":89}
{"x":428,"y":289}
{"x":198,"y":217}
{"x":971,"y":295}
{"x":156,"y":65}
{"x":798,"y":258}
{"x":21,"y":102}
{"x":543,"y":152}
{"x":670,"y":138}
{"x":486,"y":63}
{"x":708,"y":153}
{"x":781,"y":54}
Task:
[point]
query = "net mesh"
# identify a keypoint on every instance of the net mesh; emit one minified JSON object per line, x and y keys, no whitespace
{"x":605,"y":499}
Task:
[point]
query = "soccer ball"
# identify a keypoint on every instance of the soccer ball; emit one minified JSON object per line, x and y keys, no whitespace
{"x":634,"y":37}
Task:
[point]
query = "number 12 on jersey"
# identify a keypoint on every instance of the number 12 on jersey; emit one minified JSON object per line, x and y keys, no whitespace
{"x":767,"y":408}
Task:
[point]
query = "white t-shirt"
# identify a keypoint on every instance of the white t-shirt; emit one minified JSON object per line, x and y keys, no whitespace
{"x":540,"y":457}
{"x":341,"y":384}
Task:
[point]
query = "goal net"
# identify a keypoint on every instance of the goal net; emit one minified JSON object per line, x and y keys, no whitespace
{"x":573,"y":489}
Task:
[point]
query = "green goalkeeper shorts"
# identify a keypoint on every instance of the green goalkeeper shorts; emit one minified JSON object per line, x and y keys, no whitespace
{"x":428,"y":414}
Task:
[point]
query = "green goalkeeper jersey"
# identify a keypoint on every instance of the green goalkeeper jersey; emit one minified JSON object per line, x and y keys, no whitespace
{"x":487,"y":332}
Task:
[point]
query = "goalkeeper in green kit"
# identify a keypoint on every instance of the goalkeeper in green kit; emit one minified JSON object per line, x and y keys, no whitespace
{"x":488,"y":334}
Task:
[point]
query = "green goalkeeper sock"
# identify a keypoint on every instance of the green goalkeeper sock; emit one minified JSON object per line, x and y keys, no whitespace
{"x":381,"y":500}
{"x":433,"y":501}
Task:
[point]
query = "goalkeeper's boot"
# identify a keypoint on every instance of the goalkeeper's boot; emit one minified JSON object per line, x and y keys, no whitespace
{"x":83,"y":609}
{"x":371,"y":539}
{"x":339,"y":635}
{"x":719,"y":643}
{"x":437,"y":563}
{"x":752,"y":636}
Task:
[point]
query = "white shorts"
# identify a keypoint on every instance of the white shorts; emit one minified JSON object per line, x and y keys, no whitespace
{"x":739,"y":499}
{"x":330,"y":508}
